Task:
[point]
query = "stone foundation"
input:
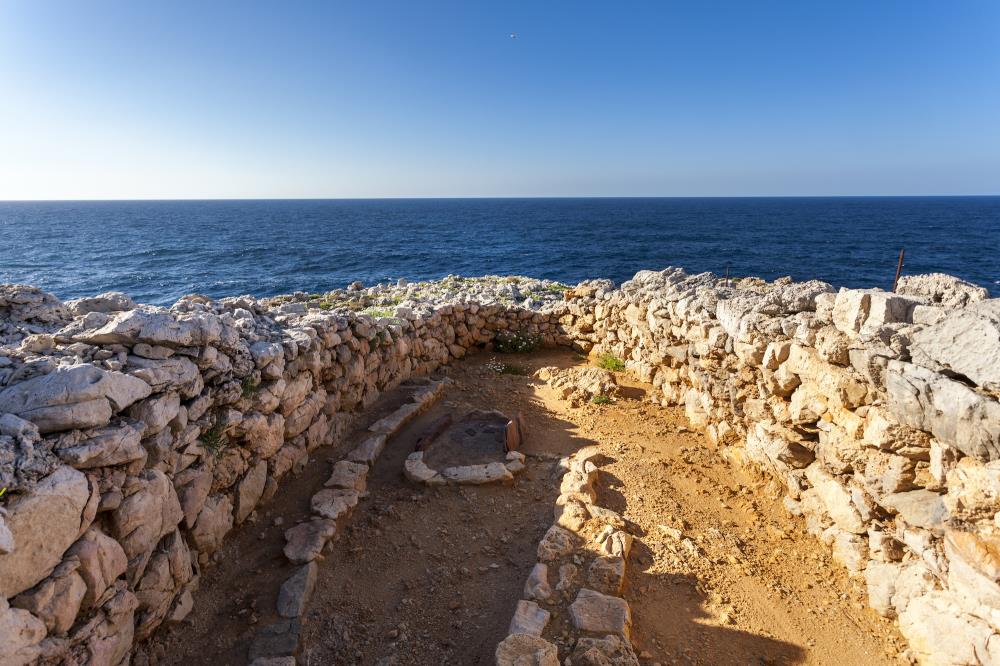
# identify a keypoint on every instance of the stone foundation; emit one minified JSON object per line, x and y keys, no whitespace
{"x":134,"y":438}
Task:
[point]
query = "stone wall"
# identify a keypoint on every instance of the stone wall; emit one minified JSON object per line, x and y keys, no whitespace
{"x":133,"y":438}
{"x":875,"y":413}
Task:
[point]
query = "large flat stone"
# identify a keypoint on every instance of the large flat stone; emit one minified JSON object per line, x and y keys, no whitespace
{"x":601,"y":613}
{"x":529,"y":618}
{"x":43,"y":525}
{"x":526,"y":650}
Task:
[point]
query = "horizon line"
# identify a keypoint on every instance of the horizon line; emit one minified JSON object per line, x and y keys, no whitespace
{"x":508,"y":197}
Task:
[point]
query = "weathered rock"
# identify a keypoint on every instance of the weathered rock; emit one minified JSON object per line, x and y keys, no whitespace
{"x":600,"y":613}
{"x":495,"y":472}
{"x":952,"y":412}
{"x":305,"y":541}
{"x":192,"y":486}
{"x":965,"y":344}
{"x":348,"y":475}
{"x":333,"y":503}
{"x":78,"y":396}
{"x":156,"y":412}
{"x":945,"y":290}
{"x":293,"y":597}
{"x":529,"y":618}
{"x":20,"y":635}
{"x":56,"y":600}
{"x":920,"y":508}
{"x":214,"y":522}
{"x":608,"y":651}
{"x":940,"y":633}
{"x":607,"y":574}
{"x":368,"y":451}
{"x":58,"y":503}
{"x":525,"y":650}
{"x":836,"y":499}
{"x":109,"y":301}
{"x":615,"y":542}
{"x":249,"y":491}
{"x":557,"y":542}
{"x":537,"y":586}
{"x":149,"y":511}
{"x":113,"y":445}
{"x":102,"y":561}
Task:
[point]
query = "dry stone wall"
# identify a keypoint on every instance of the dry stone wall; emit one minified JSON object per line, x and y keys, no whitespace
{"x":134,"y":438}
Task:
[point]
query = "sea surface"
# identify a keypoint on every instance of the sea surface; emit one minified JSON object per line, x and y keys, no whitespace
{"x":159,"y":250}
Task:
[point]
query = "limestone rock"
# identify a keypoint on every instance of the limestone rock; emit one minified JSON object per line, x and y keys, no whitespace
{"x":368,"y":451}
{"x":557,"y":542}
{"x":608,"y":651}
{"x":102,"y":561}
{"x":600,"y":613}
{"x":945,"y":290}
{"x":77,"y":396}
{"x":525,"y":650}
{"x":920,"y":508}
{"x":348,"y":475}
{"x":966,"y":343}
{"x":836,"y":499}
{"x":20,"y":635}
{"x":952,"y":412}
{"x":306,"y":541}
{"x":529,"y":618}
{"x":56,"y":600}
{"x":192,"y":487}
{"x":333,"y":503}
{"x":109,"y":301}
{"x":58,"y":503}
{"x":149,"y":511}
{"x":214,"y":521}
{"x":579,"y":385}
{"x":113,"y":445}
{"x":537,"y":586}
{"x":249,"y":490}
{"x":940,"y":633}
{"x":279,"y":639}
{"x":615,"y":542}
{"x":293,"y":597}
{"x":607,"y":574}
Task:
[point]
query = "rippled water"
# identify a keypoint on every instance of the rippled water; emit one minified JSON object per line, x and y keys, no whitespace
{"x":159,"y":250}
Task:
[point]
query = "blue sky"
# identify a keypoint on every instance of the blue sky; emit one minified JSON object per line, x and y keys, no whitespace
{"x":369,"y":99}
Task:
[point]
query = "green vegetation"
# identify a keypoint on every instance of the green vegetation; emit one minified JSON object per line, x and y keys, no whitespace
{"x":248,"y":387}
{"x":611,"y":362}
{"x":378,"y":313}
{"x":215,"y":438}
{"x":601,"y":399}
{"x":558,"y":288}
{"x":507,"y":342}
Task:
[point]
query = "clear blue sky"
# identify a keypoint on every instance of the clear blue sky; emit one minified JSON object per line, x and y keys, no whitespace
{"x":365,"y":99}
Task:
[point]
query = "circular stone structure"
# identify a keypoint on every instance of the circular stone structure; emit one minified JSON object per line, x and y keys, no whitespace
{"x":471,"y":451}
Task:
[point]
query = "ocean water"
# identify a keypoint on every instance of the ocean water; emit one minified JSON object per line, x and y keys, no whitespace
{"x":159,"y":250}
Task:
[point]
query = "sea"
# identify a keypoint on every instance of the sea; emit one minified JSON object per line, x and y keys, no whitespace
{"x":157,"y":251}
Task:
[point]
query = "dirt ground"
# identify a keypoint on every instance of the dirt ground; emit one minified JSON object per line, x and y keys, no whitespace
{"x":719,"y":573}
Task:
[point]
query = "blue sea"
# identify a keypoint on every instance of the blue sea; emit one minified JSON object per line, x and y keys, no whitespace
{"x":159,"y":250}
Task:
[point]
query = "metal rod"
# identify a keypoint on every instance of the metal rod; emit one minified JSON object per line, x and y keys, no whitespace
{"x":899,"y":269}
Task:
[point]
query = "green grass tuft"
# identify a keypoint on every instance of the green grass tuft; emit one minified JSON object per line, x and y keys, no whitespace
{"x":601,"y":399}
{"x":611,"y":362}
{"x":215,"y":438}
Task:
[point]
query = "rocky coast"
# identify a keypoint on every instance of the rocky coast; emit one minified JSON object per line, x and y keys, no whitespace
{"x":136,"y":440}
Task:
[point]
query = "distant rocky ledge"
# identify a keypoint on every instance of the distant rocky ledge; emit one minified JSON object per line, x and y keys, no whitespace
{"x":133,"y":438}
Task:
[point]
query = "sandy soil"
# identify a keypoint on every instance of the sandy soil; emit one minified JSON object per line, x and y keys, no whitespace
{"x":719,"y":574}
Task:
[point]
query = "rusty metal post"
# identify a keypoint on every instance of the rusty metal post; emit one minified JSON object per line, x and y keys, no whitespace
{"x":899,"y":269}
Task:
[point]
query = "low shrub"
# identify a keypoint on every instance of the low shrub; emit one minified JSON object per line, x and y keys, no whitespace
{"x":509,"y":342}
{"x":601,"y":399}
{"x":502,"y":368}
{"x":611,"y":362}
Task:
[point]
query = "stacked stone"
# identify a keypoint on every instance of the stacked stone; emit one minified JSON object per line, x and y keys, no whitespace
{"x":586,"y":549}
{"x":134,"y":438}
{"x":877,"y":411}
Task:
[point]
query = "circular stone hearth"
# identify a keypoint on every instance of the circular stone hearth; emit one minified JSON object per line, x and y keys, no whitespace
{"x":474,"y":450}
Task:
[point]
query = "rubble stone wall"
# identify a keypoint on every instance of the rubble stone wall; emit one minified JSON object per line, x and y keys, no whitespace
{"x":876,"y":412}
{"x":134,"y":438}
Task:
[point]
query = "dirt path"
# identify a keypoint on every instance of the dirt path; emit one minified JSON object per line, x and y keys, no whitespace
{"x":719,"y":574}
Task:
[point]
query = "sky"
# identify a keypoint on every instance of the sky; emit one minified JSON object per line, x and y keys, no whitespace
{"x":180,"y":99}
